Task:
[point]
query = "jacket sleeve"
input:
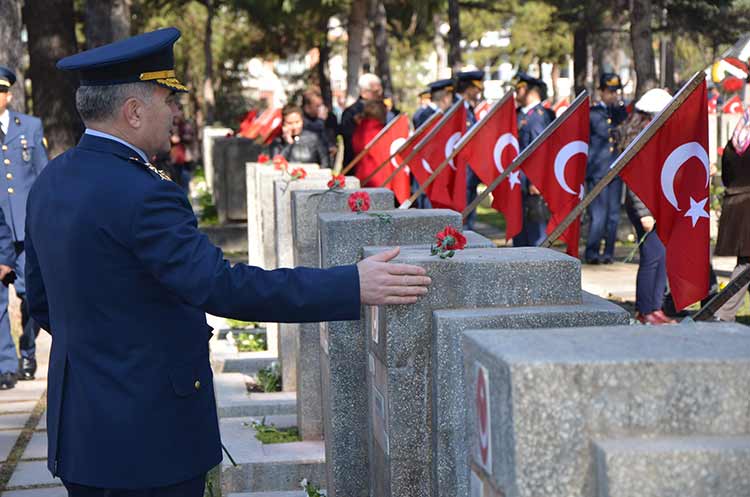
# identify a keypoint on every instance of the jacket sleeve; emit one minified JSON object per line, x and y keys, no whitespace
{"x":36,"y":294}
{"x":640,"y":208}
{"x":166,"y":239}
{"x":7,"y":251}
{"x":39,"y":159}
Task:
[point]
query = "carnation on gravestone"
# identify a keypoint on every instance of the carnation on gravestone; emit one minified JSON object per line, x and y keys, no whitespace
{"x":263,"y":158}
{"x":359,"y":201}
{"x":280,"y":163}
{"x":298,"y":173}
{"x":337,"y":181}
{"x":448,"y":241}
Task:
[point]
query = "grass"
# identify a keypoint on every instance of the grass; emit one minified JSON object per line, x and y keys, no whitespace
{"x":251,"y":342}
{"x":236,"y":324}
{"x":490,"y":216}
{"x":270,"y":434}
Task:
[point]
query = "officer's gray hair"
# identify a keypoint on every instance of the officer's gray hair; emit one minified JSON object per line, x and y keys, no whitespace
{"x":367,"y":81}
{"x":100,"y":103}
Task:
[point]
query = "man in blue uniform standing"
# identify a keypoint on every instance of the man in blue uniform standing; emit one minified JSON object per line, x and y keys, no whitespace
{"x":24,"y":155}
{"x":470,"y":88}
{"x":122,"y":278}
{"x":604,"y":212}
{"x":533,"y":118}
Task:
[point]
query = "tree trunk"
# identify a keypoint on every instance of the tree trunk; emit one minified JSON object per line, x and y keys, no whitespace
{"x":555,"y":80}
{"x":441,"y":56}
{"x":454,"y":37}
{"x":106,"y":21}
{"x":11,"y":56}
{"x":356,"y":32}
{"x":324,"y":49}
{"x":641,"y":41}
{"x":382,"y":54}
{"x":208,"y":83}
{"x":580,"y":57}
{"x":666,"y":47}
{"x":50,"y":25}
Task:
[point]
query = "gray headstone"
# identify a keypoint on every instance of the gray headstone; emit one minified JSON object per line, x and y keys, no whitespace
{"x":306,"y":205}
{"x":343,"y":355}
{"x":400,"y":347}
{"x":254,"y":220}
{"x":230,"y":154}
{"x":450,"y":436}
{"x":210,"y":134}
{"x":549,"y":394}
{"x":289,"y":344}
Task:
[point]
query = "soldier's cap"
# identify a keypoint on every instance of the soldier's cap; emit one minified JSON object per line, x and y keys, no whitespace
{"x":441,"y":84}
{"x":424,"y":92}
{"x":610,"y":81}
{"x":474,"y":77}
{"x":7,"y":78}
{"x":522,"y":79}
{"x":147,"y":57}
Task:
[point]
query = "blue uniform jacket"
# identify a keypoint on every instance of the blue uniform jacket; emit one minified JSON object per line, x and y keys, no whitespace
{"x":602,"y":144}
{"x":422,"y":115}
{"x":7,"y":250}
{"x":119,"y":274}
{"x":531,"y":125}
{"x":24,"y":156}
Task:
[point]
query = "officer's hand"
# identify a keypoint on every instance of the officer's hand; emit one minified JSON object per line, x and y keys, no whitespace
{"x":5,"y":271}
{"x":534,"y":190}
{"x":648,"y":223}
{"x":381,"y":283}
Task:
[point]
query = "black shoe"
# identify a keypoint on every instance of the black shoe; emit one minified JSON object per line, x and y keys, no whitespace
{"x":607,"y":261}
{"x":593,"y":262}
{"x":27,"y":369}
{"x":7,"y":381}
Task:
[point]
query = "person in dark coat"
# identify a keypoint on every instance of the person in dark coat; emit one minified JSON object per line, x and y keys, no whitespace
{"x":604,"y":211}
{"x":297,"y":144}
{"x":651,"y":280}
{"x":122,"y":278}
{"x":370,"y":88}
{"x":734,"y":223}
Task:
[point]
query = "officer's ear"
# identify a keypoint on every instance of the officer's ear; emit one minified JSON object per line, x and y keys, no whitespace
{"x":133,"y":112}
{"x":8,"y":98}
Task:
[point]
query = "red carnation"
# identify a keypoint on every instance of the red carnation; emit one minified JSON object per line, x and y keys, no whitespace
{"x":359,"y":201}
{"x":263,"y":158}
{"x":448,"y":241}
{"x":280,"y":163}
{"x":337,"y":181}
{"x":298,"y":173}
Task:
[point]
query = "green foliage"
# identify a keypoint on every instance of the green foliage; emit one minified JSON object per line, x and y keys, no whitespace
{"x":539,"y":34}
{"x":269,"y":378}
{"x":270,"y":434}
{"x":208,"y":215}
{"x":236,"y":324}
{"x":311,"y":490}
{"x":251,"y":342}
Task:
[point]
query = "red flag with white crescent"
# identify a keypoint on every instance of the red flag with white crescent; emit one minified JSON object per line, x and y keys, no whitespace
{"x":481,"y":109}
{"x":273,"y":128}
{"x":434,"y":152}
{"x":492,"y":148}
{"x":418,"y":136}
{"x":387,"y":143}
{"x":258,"y":123}
{"x":247,"y":123}
{"x":558,"y":169}
{"x":733,"y":106}
{"x":671,"y":175}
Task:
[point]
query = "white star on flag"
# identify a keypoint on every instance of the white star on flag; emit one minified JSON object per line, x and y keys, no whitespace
{"x":697,"y":210}
{"x":514,"y":178}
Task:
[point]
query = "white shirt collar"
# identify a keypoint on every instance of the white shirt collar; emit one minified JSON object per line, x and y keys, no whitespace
{"x":526,"y":109}
{"x":5,"y":121}
{"x":102,"y":134}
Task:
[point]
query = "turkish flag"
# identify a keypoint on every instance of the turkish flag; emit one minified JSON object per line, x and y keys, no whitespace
{"x":481,"y":109}
{"x":498,"y":134}
{"x":670,"y":174}
{"x":733,"y":106}
{"x":417,"y":137}
{"x":558,"y":169}
{"x":435,"y":151}
{"x":386,"y":145}
{"x":261,"y":120}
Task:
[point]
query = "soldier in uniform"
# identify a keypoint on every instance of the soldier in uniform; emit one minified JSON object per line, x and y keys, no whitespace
{"x":24,"y":155}
{"x":425,"y":102}
{"x":122,"y":278}
{"x":604,"y":212}
{"x":533,"y":118}
{"x":470,"y":88}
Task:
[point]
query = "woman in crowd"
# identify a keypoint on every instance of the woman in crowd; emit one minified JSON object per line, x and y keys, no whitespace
{"x":297,"y":144}
{"x":651,"y":281}
{"x":734,"y":223}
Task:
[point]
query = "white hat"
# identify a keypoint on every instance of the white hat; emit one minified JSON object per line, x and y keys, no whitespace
{"x":653,"y":101}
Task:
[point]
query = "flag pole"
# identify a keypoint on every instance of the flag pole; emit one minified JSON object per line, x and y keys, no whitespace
{"x":459,"y":146}
{"x":717,"y":301}
{"x":407,"y":143}
{"x":519,"y":160}
{"x":627,"y":155}
{"x":423,"y":142}
{"x":369,"y":146}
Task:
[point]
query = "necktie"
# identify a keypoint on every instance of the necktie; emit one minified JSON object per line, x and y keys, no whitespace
{"x":2,"y":134}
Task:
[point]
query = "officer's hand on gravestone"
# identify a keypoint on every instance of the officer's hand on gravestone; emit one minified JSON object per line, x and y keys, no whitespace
{"x":6,"y":274}
{"x":381,"y":283}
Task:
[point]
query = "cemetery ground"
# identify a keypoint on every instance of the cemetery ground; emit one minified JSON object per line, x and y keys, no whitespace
{"x":23,"y":441}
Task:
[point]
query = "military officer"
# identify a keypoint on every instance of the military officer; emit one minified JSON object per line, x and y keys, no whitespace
{"x":604,"y":211}
{"x":23,"y":154}
{"x":8,"y":357}
{"x":425,"y":103}
{"x":470,"y":88}
{"x":441,"y":98}
{"x":533,"y":118}
{"x":122,"y":278}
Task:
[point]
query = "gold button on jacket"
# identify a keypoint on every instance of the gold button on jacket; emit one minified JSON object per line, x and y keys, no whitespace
{"x":197,"y":384}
